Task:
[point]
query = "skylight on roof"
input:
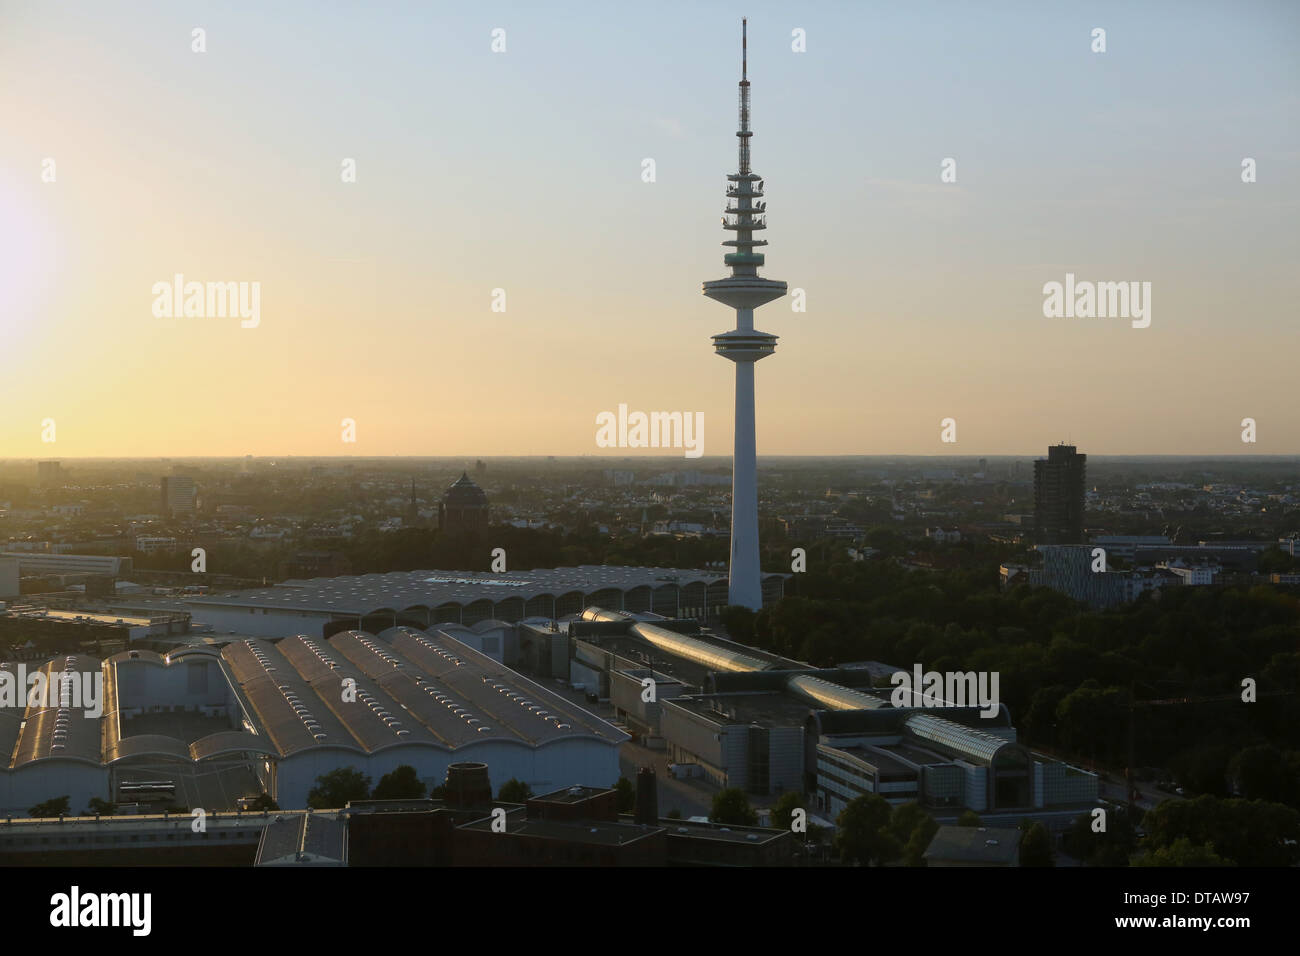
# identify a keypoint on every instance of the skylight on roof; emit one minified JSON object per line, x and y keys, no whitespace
{"x":486,"y":582}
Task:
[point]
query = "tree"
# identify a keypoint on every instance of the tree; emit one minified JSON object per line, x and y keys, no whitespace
{"x":1244,"y":832}
{"x":626,"y":792}
{"x":55,"y":807}
{"x":1110,"y":847}
{"x":1036,"y":847}
{"x":1273,"y":559}
{"x":402,"y":784}
{"x":674,"y":814}
{"x":913,"y":828}
{"x":969,"y":819}
{"x":905,"y":819}
{"x":919,"y":842}
{"x":1182,"y":852}
{"x":514,"y":791}
{"x":783,"y":811}
{"x":738,"y":621}
{"x":338,"y":788}
{"x":1091,"y":720}
{"x":731,"y":807}
{"x":1263,"y":772}
{"x":101,"y":807}
{"x":864,"y":836}
{"x":264,"y":802}
{"x":1203,"y":768}
{"x":1040,"y":719}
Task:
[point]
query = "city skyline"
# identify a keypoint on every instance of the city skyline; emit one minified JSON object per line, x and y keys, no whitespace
{"x":368,"y":497}
{"x":924,"y":298}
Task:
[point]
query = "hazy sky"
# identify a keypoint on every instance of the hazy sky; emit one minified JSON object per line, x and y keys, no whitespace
{"x":522,"y":171}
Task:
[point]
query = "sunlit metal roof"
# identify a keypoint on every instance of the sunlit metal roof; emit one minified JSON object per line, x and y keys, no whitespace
{"x":956,"y":738}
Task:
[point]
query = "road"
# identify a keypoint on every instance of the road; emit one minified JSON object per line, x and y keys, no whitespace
{"x":1112,"y":788}
{"x":691,"y":798}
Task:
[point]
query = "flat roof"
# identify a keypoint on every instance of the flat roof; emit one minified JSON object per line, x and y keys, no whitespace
{"x":880,"y":758}
{"x":598,"y":832}
{"x":425,"y":805}
{"x":570,"y":794}
{"x":915,"y":755}
{"x":89,"y":617}
{"x":642,"y":654}
{"x":767,"y":709}
{"x":989,"y":845}
{"x":721,"y":833}
{"x":141,"y":822}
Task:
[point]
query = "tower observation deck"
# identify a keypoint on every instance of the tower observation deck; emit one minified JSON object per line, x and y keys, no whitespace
{"x":744,"y":290}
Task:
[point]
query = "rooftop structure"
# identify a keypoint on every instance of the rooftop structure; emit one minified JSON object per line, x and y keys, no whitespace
{"x":392,"y":833}
{"x":45,"y":562}
{"x":277,"y":715}
{"x":304,"y":839}
{"x":974,"y":846}
{"x":743,"y":717}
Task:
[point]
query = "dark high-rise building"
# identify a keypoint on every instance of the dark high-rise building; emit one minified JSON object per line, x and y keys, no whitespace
{"x":464,"y":508}
{"x":178,"y":494}
{"x":49,"y":474}
{"x":1058,"y":496}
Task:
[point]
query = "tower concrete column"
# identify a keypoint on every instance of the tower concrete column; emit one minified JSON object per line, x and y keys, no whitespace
{"x":743,"y":582}
{"x":744,"y":290}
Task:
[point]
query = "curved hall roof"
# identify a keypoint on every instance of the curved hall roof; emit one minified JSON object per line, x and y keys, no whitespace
{"x":147,"y":745}
{"x":230,"y":742}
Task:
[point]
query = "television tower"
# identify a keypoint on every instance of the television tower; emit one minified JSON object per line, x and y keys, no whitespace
{"x":744,"y":290}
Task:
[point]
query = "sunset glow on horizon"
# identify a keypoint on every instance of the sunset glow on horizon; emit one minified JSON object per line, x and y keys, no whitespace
{"x":522,"y":171}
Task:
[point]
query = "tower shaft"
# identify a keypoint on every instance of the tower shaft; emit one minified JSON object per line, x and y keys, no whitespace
{"x":744,"y":581}
{"x":744,"y":290}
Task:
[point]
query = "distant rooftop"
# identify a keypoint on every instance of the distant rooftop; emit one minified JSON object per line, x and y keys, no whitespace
{"x":89,"y":617}
{"x":399,"y":590}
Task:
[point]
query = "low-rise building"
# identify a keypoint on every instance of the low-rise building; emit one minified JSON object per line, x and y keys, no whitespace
{"x":974,"y":846}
